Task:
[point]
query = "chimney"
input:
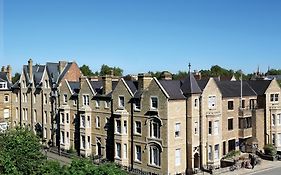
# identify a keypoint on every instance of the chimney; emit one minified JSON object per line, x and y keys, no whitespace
{"x":3,"y":69}
{"x":197,"y":75}
{"x":30,"y":64}
{"x":9,"y":72}
{"x":107,"y":84}
{"x":144,"y":80}
{"x":62,"y":64}
{"x":165,"y":75}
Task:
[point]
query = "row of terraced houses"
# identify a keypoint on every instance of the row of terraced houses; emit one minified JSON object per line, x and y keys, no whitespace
{"x":161,"y":126}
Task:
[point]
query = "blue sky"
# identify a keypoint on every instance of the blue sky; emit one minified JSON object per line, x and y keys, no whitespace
{"x":143,"y":35}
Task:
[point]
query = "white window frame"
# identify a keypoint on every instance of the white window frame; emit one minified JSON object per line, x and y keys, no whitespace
{"x":118,"y":150}
{"x":86,"y":99}
{"x":6,"y":113}
{"x":138,"y":127}
{"x":64,"y":98}
{"x":3,"y":85}
{"x":97,"y":103}
{"x":120,"y":105}
{"x":117,"y":126}
{"x":152,"y":101}
{"x":125,"y":126}
{"x":155,"y":160}
{"x":97,"y":122}
{"x":138,"y":152}
{"x":217,"y":152}
{"x":6,"y":98}
{"x":212,"y":102}
{"x":178,"y":157}
{"x":125,"y":151}
{"x":216,"y":127}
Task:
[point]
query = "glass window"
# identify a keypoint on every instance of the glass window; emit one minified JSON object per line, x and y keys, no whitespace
{"x":177,"y":157}
{"x":196,"y":102}
{"x":97,"y":103}
{"x":196,"y":128}
{"x":107,"y":104}
{"x":64,"y":98}
{"x":118,"y":126}
{"x":273,"y":119}
{"x":67,"y":117}
{"x":230,"y":124}
{"x":210,"y":154}
{"x":125,"y":127}
{"x":83,"y":124}
{"x":230,"y":105}
{"x":118,"y":150}
{"x":138,"y":127}
{"x":216,"y":156}
{"x":89,"y":121}
{"x":62,"y":137}
{"x":121,"y":102}
{"x":154,"y":156}
{"x":212,"y":102}
{"x":138,"y":153}
{"x":154,"y":102}
{"x":89,"y":142}
{"x":154,"y":129}
{"x":97,"y":121}
{"x":83,"y":142}
{"x":243,"y":104}
{"x":6,"y":113}
{"x":273,"y":139}
{"x":177,"y":129}
{"x":86,"y":100}
{"x":6,"y":98}
{"x":216,"y":127}
{"x":62,"y":117}
{"x":125,"y":151}
{"x":137,"y":104}
{"x":210,"y":127}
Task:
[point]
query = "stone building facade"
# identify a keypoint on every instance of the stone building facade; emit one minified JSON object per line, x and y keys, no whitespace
{"x":160,"y":126}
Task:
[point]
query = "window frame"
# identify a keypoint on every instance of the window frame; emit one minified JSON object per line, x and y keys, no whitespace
{"x":152,"y":102}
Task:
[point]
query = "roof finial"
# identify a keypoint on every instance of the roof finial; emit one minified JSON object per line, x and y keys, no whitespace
{"x":189,"y":67}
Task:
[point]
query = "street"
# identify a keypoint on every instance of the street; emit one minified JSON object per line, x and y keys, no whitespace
{"x":273,"y":171}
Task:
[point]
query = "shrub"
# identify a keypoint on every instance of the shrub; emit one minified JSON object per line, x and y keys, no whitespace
{"x":269,"y":149}
{"x":232,"y":154}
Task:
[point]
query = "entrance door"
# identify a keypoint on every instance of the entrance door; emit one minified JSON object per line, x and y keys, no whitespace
{"x":196,"y":160}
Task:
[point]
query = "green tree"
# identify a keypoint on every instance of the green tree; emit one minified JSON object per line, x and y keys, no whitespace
{"x":16,"y":77}
{"x":86,"y":70}
{"x":180,"y":75}
{"x":20,"y":152}
{"x":274,"y":72}
{"x":106,"y":70}
{"x":52,"y":167}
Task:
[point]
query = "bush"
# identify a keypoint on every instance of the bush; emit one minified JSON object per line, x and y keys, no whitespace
{"x":232,"y":154}
{"x":269,"y":149}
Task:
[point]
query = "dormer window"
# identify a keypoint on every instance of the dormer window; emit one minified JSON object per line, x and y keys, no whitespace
{"x":274,"y":97}
{"x":137,"y":104}
{"x":46,"y":84}
{"x":3,"y":85}
{"x":121,"y":102}
{"x":64,"y":98}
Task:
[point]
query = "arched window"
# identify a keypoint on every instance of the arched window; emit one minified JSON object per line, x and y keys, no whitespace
{"x":155,"y":128}
{"x":155,"y":155}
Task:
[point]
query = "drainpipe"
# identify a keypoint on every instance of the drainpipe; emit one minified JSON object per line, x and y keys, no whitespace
{"x":132,"y":136}
{"x":200,"y":133}
{"x":186,"y":140}
{"x":42,"y":111}
{"x":78,"y":127}
{"x":20,"y":107}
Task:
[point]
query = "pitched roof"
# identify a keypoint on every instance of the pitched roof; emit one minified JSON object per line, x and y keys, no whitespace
{"x":4,"y":78}
{"x":98,"y":86}
{"x":74,"y":85}
{"x":259,"y":86}
{"x":37,"y":71}
{"x":202,"y":83}
{"x":53,"y":71}
{"x":190,"y":85}
{"x":133,"y":85}
{"x":65,"y":70}
{"x":173,"y":88}
{"x":233,"y":89}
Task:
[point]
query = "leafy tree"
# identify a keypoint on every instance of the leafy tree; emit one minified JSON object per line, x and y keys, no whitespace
{"x":180,"y":75}
{"x":20,"y":152}
{"x":86,"y":70}
{"x":52,"y":167}
{"x":106,"y":70}
{"x":274,"y":72}
{"x":16,"y":77}
{"x":156,"y":74}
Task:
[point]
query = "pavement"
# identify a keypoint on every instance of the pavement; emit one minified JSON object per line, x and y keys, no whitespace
{"x":264,"y":166}
{"x":63,"y":160}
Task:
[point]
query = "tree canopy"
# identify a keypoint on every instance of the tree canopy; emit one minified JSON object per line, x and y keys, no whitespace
{"x":20,"y":152}
{"x":274,"y":72}
{"x":104,"y":70}
{"x":16,"y":77}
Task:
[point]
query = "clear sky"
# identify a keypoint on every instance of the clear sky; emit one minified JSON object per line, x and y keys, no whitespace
{"x":143,"y":35}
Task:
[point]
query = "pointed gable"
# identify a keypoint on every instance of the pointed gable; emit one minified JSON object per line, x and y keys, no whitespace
{"x":190,"y":85}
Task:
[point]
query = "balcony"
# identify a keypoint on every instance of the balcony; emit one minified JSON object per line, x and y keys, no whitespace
{"x":245,"y":133}
{"x":245,"y":112}
{"x":213,"y":113}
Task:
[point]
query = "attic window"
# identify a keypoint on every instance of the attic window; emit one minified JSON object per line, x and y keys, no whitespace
{"x":3,"y":85}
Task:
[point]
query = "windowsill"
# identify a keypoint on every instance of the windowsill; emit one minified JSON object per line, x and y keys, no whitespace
{"x":138,"y":161}
{"x":230,"y":109}
{"x":98,"y":128}
{"x":97,"y":107}
{"x":118,"y":158}
{"x":121,"y":107}
{"x":136,"y":110}
{"x":230,"y":130}
{"x":154,"y":166}
{"x":137,"y":134}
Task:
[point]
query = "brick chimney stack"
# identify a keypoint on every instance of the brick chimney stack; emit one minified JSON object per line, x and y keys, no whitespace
{"x":9,"y":72}
{"x":30,"y":72}
{"x":144,"y":80}
{"x":107,"y":84}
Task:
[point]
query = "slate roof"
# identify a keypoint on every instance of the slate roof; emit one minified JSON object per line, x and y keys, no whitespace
{"x":98,"y":86}
{"x":4,"y":78}
{"x":133,"y":86}
{"x":65,"y":70}
{"x":278,"y":77}
{"x":259,"y":86}
{"x":53,"y":71}
{"x":190,"y":85}
{"x":37,"y":71}
{"x":173,"y":88}
{"x":232,"y":88}
{"x":74,"y":85}
{"x":202,"y":83}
